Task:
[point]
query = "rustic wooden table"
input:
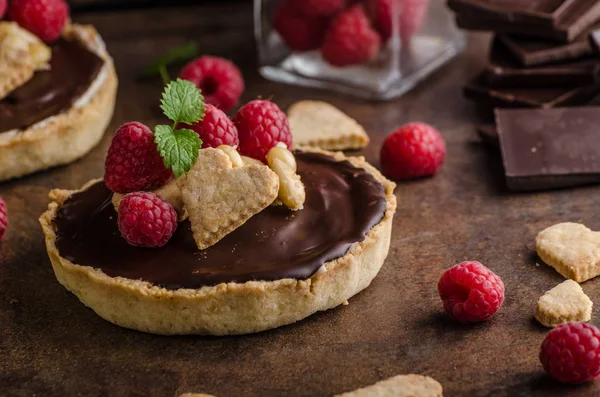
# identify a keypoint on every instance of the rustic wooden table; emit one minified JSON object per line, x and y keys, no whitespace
{"x":51,"y":345}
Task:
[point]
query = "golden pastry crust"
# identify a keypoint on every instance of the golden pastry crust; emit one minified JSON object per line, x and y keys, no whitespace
{"x":68,"y":136}
{"x":225,"y":309}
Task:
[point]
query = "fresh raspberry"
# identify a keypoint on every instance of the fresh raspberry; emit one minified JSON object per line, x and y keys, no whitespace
{"x":471,"y":292}
{"x":570,"y":353}
{"x":351,"y":39}
{"x":299,"y":32}
{"x":44,"y":18}
{"x":146,"y":220}
{"x":3,"y":7}
{"x":413,"y":150}
{"x":3,"y":218}
{"x":411,"y":15}
{"x":261,"y":125}
{"x":220,"y":80}
{"x":133,"y":162}
{"x":215,"y":129}
{"x":314,"y":8}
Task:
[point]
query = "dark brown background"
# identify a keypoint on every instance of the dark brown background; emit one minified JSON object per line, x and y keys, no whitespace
{"x":51,"y":345}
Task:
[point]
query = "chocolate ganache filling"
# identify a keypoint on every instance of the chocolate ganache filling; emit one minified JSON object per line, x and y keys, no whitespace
{"x":49,"y":92}
{"x":342,"y":204}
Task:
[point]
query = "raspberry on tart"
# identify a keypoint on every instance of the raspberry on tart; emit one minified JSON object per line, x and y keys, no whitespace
{"x":63,"y":110}
{"x":215,"y":129}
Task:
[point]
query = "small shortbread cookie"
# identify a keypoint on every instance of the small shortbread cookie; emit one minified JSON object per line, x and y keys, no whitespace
{"x":169,"y":192}
{"x":564,"y":303}
{"x":400,"y":386}
{"x":319,"y":124}
{"x":21,"y":54}
{"x":220,"y":198}
{"x":572,"y":249}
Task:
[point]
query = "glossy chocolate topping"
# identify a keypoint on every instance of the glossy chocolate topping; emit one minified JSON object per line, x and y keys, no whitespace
{"x":342,"y":204}
{"x":72,"y":69}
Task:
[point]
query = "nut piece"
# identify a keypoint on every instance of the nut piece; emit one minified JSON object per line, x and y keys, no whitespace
{"x":251,"y":161}
{"x":291,"y":189}
{"x":280,"y":152}
{"x":234,"y":156}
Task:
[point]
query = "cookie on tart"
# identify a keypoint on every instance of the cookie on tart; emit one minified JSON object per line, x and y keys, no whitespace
{"x":58,"y":113}
{"x":277,"y":268}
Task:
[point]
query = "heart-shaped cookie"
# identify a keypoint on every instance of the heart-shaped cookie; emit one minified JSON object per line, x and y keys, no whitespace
{"x":564,"y":303}
{"x":572,"y":249}
{"x":220,"y":198}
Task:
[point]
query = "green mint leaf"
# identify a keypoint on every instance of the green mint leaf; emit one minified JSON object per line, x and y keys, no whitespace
{"x":181,"y":54}
{"x":179,"y":148}
{"x":182,"y":102}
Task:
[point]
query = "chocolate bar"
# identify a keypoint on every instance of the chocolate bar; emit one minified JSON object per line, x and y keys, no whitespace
{"x":548,"y":12}
{"x":532,"y":52}
{"x":578,"y":20}
{"x":549,"y":148}
{"x":481,"y":92}
{"x":504,"y":71}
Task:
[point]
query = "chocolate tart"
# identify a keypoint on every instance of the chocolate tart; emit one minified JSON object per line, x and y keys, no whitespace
{"x":277,"y":268}
{"x":60,"y":114}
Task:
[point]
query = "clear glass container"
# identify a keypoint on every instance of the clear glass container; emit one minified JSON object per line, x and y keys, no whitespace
{"x":428,"y":39}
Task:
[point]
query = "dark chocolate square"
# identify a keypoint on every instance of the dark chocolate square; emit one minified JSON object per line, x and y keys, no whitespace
{"x":503,"y":71}
{"x":549,"y":148}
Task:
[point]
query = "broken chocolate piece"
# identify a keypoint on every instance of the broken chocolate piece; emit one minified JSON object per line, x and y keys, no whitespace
{"x":549,"y":12}
{"x":549,"y":148}
{"x":504,"y":71}
{"x":578,"y":20}
{"x":481,"y":92}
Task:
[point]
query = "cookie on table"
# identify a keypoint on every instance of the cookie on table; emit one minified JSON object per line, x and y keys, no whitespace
{"x":571,"y":249}
{"x":320,"y":124}
{"x":562,"y":304}
{"x":400,"y":386}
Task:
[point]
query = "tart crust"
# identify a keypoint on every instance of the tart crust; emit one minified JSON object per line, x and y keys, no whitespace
{"x":231,"y":308}
{"x":67,"y":136}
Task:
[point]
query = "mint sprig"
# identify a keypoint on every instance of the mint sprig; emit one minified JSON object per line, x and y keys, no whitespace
{"x":181,"y":102}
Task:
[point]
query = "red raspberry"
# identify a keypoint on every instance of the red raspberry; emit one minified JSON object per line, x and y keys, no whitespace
{"x":45,"y":18}
{"x":413,"y":150}
{"x":299,"y":32}
{"x":313,"y":8}
{"x":146,"y":220}
{"x":3,"y":7}
{"x":3,"y":218}
{"x":261,"y":125}
{"x":215,"y":129}
{"x":133,"y":162}
{"x":351,"y":39}
{"x":411,"y":15}
{"x":571,"y":352}
{"x":220,"y":80}
{"x":471,"y":292}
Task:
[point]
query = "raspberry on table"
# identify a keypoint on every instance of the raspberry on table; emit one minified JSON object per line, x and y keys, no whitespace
{"x":44,"y":18}
{"x":351,"y":39}
{"x":220,"y":81}
{"x":215,"y":129}
{"x":411,"y":15}
{"x":133,"y":162}
{"x":3,"y":218}
{"x":261,"y":125}
{"x":413,"y":150}
{"x":298,"y":31}
{"x":146,"y":220}
{"x":570,"y":353}
{"x":313,"y":8}
{"x":471,"y":292}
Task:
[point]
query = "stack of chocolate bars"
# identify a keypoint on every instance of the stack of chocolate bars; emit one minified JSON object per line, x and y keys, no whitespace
{"x":544,"y":54}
